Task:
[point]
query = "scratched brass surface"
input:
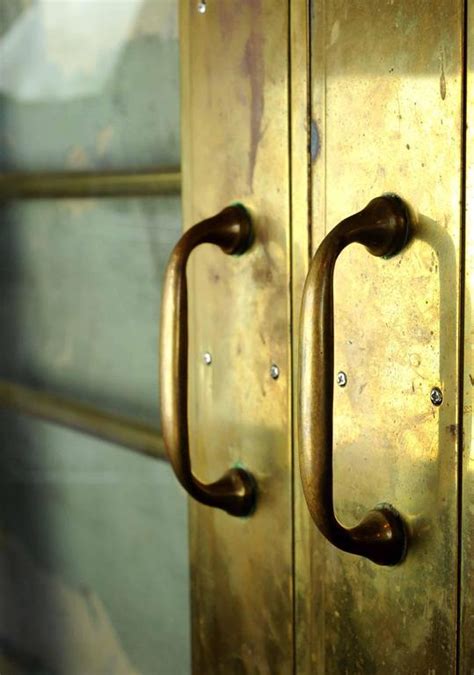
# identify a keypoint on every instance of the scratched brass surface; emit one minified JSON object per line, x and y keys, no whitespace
{"x":467,"y":577}
{"x":387,"y":102}
{"x":236,"y":148}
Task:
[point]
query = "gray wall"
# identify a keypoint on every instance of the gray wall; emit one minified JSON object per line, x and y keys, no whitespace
{"x":93,"y":539}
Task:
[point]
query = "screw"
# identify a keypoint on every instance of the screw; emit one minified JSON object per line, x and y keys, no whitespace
{"x":436,"y":396}
{"x":341,"y":379}
{"x":274,"y":371}
{"x":207,"y":358}
{"x":202,"y":7}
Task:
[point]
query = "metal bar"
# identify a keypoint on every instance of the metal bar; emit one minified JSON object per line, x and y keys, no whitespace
{"x":234,"y":492}
{"x":129,"y":433}
{"x":89,"y":184}
{"x":383,"y":227}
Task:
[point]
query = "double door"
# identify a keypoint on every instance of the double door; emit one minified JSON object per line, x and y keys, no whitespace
{"x":304,"y":113}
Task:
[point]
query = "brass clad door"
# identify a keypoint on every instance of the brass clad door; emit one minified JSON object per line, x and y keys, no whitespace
{"x":386,"y":83}
{"x":235,"y":86}
{"x":304,"y":112}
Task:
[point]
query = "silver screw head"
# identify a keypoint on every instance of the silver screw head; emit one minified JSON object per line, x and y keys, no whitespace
{"x":274,"y":371}
{"x":202,"y":7}
{"x":341,"y":378}
{"x":207,"y":358}
{"x":436,"y":396}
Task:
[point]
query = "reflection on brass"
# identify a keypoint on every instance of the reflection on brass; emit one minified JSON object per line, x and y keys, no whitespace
{"x":234,"y":492}
{"x":383,"y":228}
{"x":466,"y":428}
{"x":384,"y":126}
{"x":235,"y":145}
{"x":117,"y":429}
{"x":302,"y":157}
{"x":76,"y":185}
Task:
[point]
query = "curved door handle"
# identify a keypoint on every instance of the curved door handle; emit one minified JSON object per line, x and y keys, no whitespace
{"x":235,"y":491}
{"x":384,"y":228}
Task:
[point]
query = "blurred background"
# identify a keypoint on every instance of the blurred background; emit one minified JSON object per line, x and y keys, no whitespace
{"x":93,"y":537}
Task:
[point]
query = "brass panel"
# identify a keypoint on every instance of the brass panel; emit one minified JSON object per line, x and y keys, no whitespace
{"x":387,"y":105}
{"x":467,"y":530}
{"x":236,"y":148}
{"x":301,"y":217}
{"x":79,"y":184}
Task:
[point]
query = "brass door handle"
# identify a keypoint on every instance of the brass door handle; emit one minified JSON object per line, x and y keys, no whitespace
{"x":384,"y":228}
{"x":235,"y":491}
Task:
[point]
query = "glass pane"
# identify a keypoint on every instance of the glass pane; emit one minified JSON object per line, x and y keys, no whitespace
{"x":88,"y":84}
{"x":93,"y":554}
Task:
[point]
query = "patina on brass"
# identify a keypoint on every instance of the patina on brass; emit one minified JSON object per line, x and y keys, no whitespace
{"x":466,"y":650}
{"x":74,"y":185}
{"x":383,"y":228}
{"x":129,"y":433}
{"x":234,"y":492}
{"x":235,"y":147}
{"x":386,"y":102}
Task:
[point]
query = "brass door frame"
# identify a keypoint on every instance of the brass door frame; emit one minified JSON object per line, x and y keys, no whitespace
{"x":466,"y":541}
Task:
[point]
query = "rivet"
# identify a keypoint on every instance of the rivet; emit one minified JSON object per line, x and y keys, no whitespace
{"x":274,"y":371}
{"x":436,"y":396}
{"x":341,"y":378}
{"x":202,"y":7}
{"x":207,"y":358}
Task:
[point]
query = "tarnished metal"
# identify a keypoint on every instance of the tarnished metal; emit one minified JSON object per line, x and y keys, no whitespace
{"x":235,"y":136}
{"x":383,"y":228}
{"x":466,"y":646}
{"x":235,"y":491}
{"x":74,"y":185}
{"x":386,"y":101}
{"x":129,"y":433}
{"x":301,"y":153}
{"x":379,"y":120}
